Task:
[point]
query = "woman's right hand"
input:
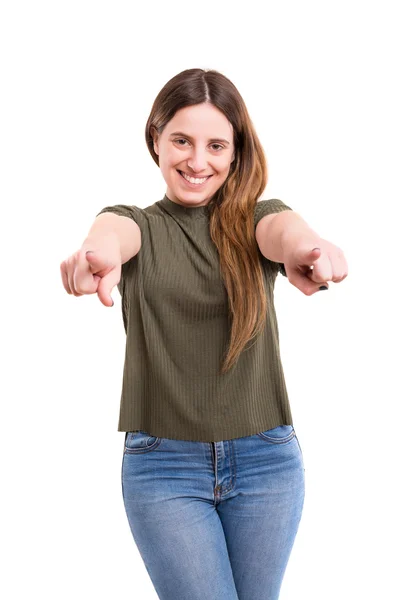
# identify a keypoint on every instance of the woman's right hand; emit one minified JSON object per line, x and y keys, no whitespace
{"x":99,"y":271}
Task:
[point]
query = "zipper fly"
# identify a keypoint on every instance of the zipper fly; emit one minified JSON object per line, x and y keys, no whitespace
{"x":217,"y":488}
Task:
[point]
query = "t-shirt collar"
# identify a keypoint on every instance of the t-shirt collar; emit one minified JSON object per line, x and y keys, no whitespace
{"x":188,"y":212}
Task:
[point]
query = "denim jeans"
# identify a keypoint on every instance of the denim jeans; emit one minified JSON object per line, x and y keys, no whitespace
{"x":214,"y":520}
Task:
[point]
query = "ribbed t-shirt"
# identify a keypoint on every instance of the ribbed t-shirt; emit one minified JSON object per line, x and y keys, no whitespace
{"x":175,"y":314}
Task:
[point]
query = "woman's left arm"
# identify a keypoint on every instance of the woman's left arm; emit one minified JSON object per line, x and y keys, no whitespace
{"x":309,"y":260}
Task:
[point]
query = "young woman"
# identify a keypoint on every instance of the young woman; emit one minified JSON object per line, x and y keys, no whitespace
{"x":212,"y":470}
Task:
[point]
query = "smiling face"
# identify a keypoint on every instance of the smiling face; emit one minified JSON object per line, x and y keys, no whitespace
{"x":197,"y":141}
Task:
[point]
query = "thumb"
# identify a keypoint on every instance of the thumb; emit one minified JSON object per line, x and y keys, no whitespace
{"x":308,"y":257}
{"x":108,"y":273}
{"x":96,"y":263}
{"x":106,"y":286}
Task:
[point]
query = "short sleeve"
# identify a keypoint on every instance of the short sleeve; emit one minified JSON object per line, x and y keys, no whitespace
{"x":124,"y":210}
{"x":267,"y":207}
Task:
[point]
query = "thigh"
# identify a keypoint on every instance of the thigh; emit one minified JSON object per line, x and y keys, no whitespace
{"x":261,"y":516}
{"x":167,"y":492}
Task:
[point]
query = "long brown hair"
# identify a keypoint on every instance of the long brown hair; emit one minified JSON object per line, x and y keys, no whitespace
{"x":232,"y":206}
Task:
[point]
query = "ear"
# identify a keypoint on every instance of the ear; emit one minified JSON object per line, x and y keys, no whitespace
{"x":154,"y":135}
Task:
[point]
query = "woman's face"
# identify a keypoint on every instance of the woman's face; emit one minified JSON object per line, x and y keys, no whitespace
{"x":197,"y":141}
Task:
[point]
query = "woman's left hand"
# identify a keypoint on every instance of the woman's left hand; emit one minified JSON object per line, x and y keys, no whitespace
{"x":308,"y":267}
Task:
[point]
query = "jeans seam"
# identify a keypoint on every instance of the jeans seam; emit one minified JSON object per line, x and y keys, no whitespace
{"x":277,"y":440}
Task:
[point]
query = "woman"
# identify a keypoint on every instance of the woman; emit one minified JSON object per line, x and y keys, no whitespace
{"x":212,"y":471}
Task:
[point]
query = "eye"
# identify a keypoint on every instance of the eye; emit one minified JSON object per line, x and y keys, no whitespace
{"x":183,"y":140}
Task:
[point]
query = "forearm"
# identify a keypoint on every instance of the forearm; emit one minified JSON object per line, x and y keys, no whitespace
{"x":114,"y":230}
{"x":286,"y":229}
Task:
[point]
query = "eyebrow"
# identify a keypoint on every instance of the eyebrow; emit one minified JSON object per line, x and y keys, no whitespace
{"x":190,"y":138}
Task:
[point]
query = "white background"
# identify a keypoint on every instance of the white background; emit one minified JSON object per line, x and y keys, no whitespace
{"x":78,"y":79}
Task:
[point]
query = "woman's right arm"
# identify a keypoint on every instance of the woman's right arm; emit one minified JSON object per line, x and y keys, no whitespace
{"x":113,"y":240}
{"x":126,"y":229}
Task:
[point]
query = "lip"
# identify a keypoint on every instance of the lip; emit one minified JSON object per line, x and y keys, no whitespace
{"x":195,"y":176}
{"x":197,"y":186}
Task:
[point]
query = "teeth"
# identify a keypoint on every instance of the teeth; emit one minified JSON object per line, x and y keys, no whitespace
{"x":192,"y":179}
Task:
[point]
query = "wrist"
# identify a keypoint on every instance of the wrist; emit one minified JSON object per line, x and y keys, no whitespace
{"x":301,"y":236}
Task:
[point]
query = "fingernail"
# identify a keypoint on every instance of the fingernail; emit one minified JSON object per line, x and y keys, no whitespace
{"x":89,"y":252}
{"x":323,"y":287}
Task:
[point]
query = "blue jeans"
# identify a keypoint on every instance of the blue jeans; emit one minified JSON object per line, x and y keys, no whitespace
{"x":214,"y":520}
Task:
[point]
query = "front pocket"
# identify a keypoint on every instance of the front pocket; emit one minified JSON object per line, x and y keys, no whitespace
{"x":278,"y":435}
{"x":137,"y":442}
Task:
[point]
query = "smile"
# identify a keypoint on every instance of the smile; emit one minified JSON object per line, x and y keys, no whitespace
{"x":194,"y":181}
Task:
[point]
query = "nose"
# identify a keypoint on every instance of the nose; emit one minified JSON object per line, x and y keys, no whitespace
{"x":197,"y":161}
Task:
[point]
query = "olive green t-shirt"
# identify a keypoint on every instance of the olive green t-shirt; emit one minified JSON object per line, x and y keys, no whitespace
{"x":175,"y":314}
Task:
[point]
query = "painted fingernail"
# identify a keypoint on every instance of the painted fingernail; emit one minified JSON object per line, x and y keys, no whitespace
{"x":323,"y":287}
